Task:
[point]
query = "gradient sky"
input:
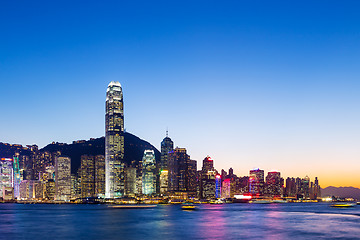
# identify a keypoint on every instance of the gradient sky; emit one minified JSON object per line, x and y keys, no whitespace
{"x":269,"y":84}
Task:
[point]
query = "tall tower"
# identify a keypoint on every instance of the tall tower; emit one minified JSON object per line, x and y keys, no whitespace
{"x":114,"y":142}
{"x":167,"y":145}
{"x":149,"y":173}
{"x":62,"y":178}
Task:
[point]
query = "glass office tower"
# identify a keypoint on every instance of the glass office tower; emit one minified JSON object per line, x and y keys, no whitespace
{"x":114,"y":142}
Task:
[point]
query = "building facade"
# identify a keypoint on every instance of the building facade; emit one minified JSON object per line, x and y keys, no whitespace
{"x":149,"y":172}
{"x":87,"y":176}
{"x":6,"y":174}
{"x":114,"y":142}
{"x":167,"y":146}
{"x":63,"y":178}
{"x":256,"y":182}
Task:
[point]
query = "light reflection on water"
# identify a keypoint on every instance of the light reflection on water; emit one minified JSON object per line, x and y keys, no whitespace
{"x":228,"y":221}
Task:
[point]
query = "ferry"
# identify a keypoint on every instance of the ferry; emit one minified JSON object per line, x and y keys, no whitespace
{"x":264,"y":201}
{"x":343,"y":205}
{"x":188,"y":206}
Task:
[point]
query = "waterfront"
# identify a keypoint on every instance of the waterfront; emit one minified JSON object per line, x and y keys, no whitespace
{"x":226,"y":221}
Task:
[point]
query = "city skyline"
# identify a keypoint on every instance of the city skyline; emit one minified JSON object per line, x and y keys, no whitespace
{"x":279,"y":91}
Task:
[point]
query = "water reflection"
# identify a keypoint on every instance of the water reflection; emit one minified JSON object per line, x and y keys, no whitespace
{"x":228,"y":221}
{"x":212,"y":224}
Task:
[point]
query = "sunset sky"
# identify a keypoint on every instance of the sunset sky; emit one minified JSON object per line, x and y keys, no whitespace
{"x":268,"y":84}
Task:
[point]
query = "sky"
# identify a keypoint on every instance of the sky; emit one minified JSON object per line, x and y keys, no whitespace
{"x":268,"y":84}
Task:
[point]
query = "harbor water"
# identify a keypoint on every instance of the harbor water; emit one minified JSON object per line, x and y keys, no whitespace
{"x":209,"y":221}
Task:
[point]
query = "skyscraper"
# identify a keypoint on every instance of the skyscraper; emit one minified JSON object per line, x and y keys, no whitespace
{"x":63,"y":178}
{"x":167,"y":146}
{"x":114,"y":142}
{"x":87,"y":176}
{"x":6,"y":174}
{"x":218,"y":186}
{"x":207,"y":179}
{"x":256,"y":181}
{"x":99,"y":175}
{"x":149,"y":173}
{"x":16,"y":176}
{"x":273,"y":184}
{"x":130,"y":181}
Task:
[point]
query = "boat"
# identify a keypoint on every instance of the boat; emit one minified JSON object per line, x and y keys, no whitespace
{"x":188,"y":206}
{"x":261,"y":201}
{"x":343,"y":205}
{"x":140,"y":206}
{"x":357,"y":203}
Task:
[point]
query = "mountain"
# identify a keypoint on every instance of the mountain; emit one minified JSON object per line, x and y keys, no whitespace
{"x":342,"y":192}
{"x":8,"y":150}
{"x":134,"y":149}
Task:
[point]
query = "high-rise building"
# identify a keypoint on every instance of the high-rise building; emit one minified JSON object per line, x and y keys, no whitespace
{"x":167,"y":146}
{"x":317,"y":189}
{"x":87,"y":176}
{"x":149,"y":173}
{"x":31,"y":189}
{"x":6,"y":174}
{"x":225,"y":189}
{"x":63,"y":178}
{"x":207,"y":179}
{"x":218,"y":186}
{"x":273,"y":184}
{"x":256,"y":182}
{"x":50,"y":189}
{"x":208,"y":165}
{"x":114,"y":142}
{"x":17,"y":176}
{"x":182,"y":172}
{"x":75,"y":187}
{"x":130,"y":181}
{"x":100,"y":175}
{"x":290,"y":189}
{"x":305,"y":187}
{"x":164,"y":175}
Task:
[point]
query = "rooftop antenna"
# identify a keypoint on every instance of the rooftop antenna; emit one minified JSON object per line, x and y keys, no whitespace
{"x":167,"y":132}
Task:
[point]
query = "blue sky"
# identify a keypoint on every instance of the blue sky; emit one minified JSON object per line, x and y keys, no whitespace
{"x":262,"y":84}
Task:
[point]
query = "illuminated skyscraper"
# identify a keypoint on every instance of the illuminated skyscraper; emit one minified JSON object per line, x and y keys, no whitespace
{"x":164,"y":175}
{"x":207,"y":179}
{"x":256,"y":181}
{"x":305,"y":187}
{"x":63,"y":178}
{"x":218,"y":186}
{"x":87,"y":176}
{"x":290,"y":190}
{"x":182,"y":172}
{"x":16,"y":176}
{"x":130,"y":181}
{"x":149,"y":173}
{"x":100,"y":175}
{"x":6,"y":174}
{"x":317,"y":189}
{"x":114,"y":142}
{"x":208,"y":165}
{"x":273,"y":184}
{"x":167,"y":146}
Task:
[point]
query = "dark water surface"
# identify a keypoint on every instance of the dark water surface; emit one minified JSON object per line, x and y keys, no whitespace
{"x":227,"y":221}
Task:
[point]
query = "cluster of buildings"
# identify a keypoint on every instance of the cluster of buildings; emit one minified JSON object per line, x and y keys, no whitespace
{"x":176,"y":175}
{"x":46,"y":176}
